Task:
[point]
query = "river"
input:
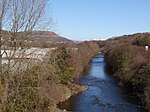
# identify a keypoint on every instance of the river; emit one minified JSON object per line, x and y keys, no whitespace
{"x":103,"y":94}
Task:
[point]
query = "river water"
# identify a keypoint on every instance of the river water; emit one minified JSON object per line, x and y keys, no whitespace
{"x":103,"y":94}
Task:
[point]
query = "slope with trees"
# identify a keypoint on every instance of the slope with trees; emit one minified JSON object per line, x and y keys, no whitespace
{"x":130,"y":62}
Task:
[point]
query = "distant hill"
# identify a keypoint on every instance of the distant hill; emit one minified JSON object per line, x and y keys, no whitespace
{"x":131,"y":38}
{"x":40,"y":36}
{"x":34,"y":39}
{"x":46,"y":36}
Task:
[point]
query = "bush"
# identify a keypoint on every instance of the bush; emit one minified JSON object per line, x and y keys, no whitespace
{"x":66,"y":74}
{"x":23,"y":93}
{"x":119,"y":58}
{"x":142,"y":40}
{"x":61,"y":59}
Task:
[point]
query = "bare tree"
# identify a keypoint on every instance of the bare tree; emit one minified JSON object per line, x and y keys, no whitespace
{"x":18,"y":18}
{"x":4,"y":4}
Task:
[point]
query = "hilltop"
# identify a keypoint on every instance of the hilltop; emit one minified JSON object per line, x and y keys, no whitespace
{"x":35,"y":38}
{"x":48,"y":36}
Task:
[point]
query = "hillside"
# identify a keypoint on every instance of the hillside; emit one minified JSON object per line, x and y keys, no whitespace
{"x":131,"y":37}
{"x":48,"y":36}
{"x":34,"y":38}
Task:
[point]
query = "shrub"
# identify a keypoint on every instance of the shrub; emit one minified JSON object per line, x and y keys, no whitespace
{"x":23,"y":93}
{"x":61,"y":58}
{"x":66,"y":74}
{"x":141,"y":40}
{"x":119,"y":58}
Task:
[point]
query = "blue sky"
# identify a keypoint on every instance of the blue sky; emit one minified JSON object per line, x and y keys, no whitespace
{"x":100,"y":19}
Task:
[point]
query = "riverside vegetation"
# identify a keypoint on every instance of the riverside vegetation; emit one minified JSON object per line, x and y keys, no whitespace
{"x":127,"y":59}
{"x":50,"y":81}
{"x":43,"y":85}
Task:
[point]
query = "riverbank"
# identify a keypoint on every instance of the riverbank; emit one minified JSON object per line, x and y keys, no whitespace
{"x":71,"y":90}
{"x":77,"y":58}
{"x":103,"y":93}
{"x":131,"y":65}
{"x":42,"y":85}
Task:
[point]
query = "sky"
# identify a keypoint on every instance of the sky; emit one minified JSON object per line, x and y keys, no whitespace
{"x":100,"y":19}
